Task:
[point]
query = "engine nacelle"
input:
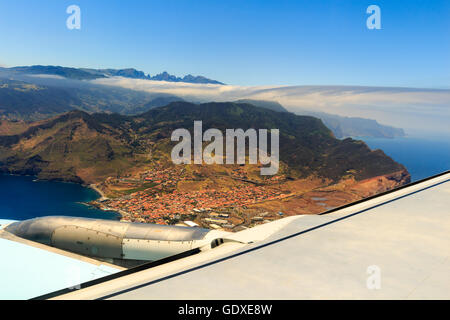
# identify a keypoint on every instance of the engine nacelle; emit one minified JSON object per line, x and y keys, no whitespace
{"x":113,"y":240}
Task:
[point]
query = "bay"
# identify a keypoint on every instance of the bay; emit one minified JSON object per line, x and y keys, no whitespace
{"x":22,"y":197}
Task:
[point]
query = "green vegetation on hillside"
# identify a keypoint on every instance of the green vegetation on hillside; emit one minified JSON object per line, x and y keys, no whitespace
{"x":21,"y":100}
{"x":78,"y":146}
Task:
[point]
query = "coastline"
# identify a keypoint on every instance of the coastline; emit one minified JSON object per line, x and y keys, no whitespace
{"x":97,"y":203}
{"x":103,"y":197}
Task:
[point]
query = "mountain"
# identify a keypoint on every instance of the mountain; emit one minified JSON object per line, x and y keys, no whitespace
{"x":70,"y":73}
{"x":29,"y":101}
{"x":36,"y":98}
{"x":89,"y":148}
{"x":22,"y":100}
{"x":164,"y":76}
{"x":270,"y":105}
{"x":91,"y":74}
{"x":127,"y":73}
{"x":161,"y":100}
{"x":66,"y":148}
{"x":355,"y":127}
{"x":341,"y":127}
{"x":157,"y":100}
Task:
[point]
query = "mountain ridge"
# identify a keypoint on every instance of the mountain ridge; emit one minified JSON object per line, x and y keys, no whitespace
{"x":128,"y":158}
{"x":344,"y":127}
{"x":31,"y":101}
{"x":35,"y":100}
{"x":106,"y":144}
{"x":92,"y":74}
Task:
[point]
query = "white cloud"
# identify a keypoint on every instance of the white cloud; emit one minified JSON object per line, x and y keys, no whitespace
{"x":403,"y":107}
{"x":45,"y":76}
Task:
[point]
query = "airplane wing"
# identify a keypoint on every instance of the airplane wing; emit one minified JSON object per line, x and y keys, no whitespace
{"x":390,"y":246}
{"x":30,"y":269}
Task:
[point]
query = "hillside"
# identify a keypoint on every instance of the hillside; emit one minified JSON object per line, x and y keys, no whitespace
{"x":32,"y":100}
{"x":128,"y":159}
{"x":343,"y":127}
{"x":36,"y":98}
{"x":270,"y":105}
{"x":81,"y":147}
{"x":69,"y":73}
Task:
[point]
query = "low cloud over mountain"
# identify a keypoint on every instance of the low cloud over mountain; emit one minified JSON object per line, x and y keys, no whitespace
{"x":423,"y":109}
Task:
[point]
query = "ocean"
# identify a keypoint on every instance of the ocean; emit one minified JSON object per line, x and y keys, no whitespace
{"x":21,"y":197}
{"x":422,"y":156}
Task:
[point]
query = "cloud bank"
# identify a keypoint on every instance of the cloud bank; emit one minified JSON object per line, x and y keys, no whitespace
{"x":409,"y":108}
{"x":46,"y":76}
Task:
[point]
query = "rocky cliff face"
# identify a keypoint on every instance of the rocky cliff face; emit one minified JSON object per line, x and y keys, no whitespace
{"x":314,"y":196}
{"x":382,"y":183}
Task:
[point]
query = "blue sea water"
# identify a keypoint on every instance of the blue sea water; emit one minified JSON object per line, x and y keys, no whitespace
{"x":23,"y":198}
{"x":423,"y":156}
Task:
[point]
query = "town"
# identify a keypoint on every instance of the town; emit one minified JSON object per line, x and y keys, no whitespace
{"x":154,"y":197}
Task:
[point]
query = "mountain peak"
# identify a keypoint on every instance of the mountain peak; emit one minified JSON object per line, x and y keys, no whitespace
{"x":91,"y":74}
{"x":165,"y":76}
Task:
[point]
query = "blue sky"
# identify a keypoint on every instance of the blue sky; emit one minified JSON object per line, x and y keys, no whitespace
{"x":239,"y":42}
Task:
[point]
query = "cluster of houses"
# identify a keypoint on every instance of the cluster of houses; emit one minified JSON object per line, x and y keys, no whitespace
{"x":163,"y":203}
{"x":163,"y":208}
{"x":168,"y":177}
